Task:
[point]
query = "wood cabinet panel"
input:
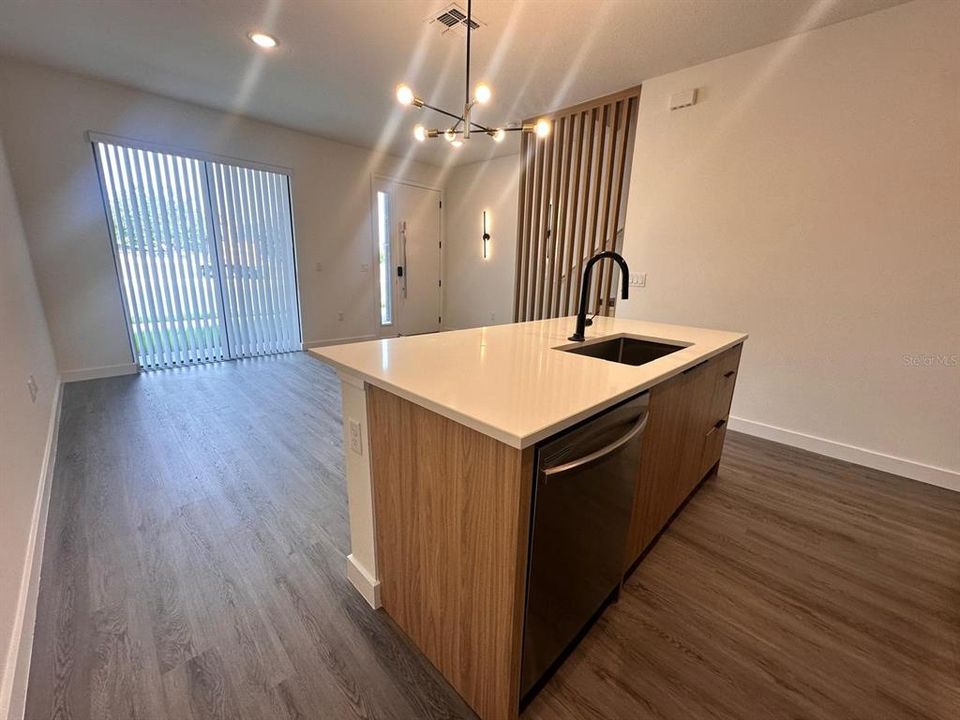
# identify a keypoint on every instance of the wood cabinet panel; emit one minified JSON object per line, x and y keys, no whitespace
{"x":663,"y":454}
{"x":452,"y":513}
{"x":678,"y":442}
{"x":728,"y":366}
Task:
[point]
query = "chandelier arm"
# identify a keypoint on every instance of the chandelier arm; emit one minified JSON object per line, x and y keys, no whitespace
{"x":444,"y":112}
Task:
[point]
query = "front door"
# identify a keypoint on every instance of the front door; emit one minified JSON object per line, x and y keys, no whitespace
{"x":408,"y":239}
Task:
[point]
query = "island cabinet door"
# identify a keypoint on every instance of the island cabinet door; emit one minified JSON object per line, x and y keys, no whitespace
{"x":677,"y":443}
{"x":724,"y":373}
{"x":452,"y":513}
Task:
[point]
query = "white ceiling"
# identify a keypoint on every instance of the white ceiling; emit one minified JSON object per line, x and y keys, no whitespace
{"x":339,"y":60}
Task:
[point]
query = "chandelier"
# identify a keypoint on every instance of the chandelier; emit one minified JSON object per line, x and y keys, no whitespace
{"x":461,"y":129}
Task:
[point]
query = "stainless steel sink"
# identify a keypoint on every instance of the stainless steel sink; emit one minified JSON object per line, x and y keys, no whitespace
{"x":624,"y":350}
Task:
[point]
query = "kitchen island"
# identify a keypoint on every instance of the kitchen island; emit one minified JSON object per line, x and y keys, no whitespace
{"x":441,"y":435}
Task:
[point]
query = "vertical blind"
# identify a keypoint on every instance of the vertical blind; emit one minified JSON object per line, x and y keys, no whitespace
{"x":259,"y":285}
{"x":573,"y":189}
{"x":204,"y":255}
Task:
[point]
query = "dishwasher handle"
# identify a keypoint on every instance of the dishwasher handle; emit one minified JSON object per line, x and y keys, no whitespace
{"x":630,"y":435}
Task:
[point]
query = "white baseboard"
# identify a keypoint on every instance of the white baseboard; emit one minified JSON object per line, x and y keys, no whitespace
{"x":336,"y":341}
{"x":100,"y":372}
{"x":930,"y":474}
{"x":363,"y":581}
{"x":13,"y":692}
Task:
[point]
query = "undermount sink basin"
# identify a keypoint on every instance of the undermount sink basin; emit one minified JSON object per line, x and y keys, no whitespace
{"x":624,"y":350}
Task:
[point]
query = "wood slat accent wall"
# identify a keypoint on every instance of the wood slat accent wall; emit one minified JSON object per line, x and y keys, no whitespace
{"x":573,"y":189}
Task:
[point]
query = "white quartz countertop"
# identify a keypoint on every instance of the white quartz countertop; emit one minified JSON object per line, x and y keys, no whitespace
{"x":509,"y":381}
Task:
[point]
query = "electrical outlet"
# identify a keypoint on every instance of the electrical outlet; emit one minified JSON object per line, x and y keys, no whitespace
{"x":364,"y":267}
{"x":493,"y":317}
{"x":318,"y":267}
{"x":638,"y":279}
{"x":340,"y":316}
{"x":356,"y":444}
{"x":32,"y":387}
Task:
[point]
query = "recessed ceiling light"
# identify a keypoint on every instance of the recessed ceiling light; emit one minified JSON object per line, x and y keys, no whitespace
{"x":263,"y":40}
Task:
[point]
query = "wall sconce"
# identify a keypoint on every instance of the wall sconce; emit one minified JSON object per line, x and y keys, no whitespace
{"x":486,"y":235}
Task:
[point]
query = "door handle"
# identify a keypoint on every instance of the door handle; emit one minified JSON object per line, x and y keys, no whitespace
{"x":400,"y":272}
{"x":631,"y":434}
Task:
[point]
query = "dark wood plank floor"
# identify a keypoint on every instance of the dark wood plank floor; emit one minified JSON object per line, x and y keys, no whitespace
{"x":195,"y":558}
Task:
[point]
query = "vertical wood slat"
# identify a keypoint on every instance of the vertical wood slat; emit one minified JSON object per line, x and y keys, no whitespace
{"x":585,"y":243}
{"x":621,"y":173}
{"x":574,"y":201}
{"x":572,"y":185}
{"x":520,"y":274}
{"x":533,"y":245}
{"x":527,"y":249}
{"x":595,"y":239}
{"x":556,"y":238}
{"x":603,"y":284}
{"x":543,"y":242}
{"x":563,"y":252}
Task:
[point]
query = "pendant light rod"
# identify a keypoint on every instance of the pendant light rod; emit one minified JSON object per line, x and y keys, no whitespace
{"x":466,"y":93}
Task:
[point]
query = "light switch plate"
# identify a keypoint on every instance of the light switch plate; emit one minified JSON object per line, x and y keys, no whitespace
{"x":638,"y":279}
{"x":356,"y":444}
{"x":32,"y":387}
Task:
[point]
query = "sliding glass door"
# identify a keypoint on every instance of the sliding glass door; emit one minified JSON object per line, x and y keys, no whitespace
{"x":204,"y":254}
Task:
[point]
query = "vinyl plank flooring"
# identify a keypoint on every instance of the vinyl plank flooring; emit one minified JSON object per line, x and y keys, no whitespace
{"x":195,"y":558}
{"x":194,"y":568}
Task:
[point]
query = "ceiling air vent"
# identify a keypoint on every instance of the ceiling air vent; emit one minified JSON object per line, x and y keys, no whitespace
{"x":454,"y":17}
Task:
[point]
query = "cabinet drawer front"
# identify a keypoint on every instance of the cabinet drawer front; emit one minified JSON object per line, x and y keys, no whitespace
{"x":726,"y":378}
{"x":713,"y":446}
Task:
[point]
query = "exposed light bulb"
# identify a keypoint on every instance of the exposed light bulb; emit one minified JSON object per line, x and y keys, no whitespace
{"x":449,"y":135}
{"x":267,"y":42}
{"x":404,"y":94}
{"x":420,"y":133}
{"x":456,"y":143}
{"x":542,"y":128}
{"x":482,"y":93}
{"x":499,"y":134}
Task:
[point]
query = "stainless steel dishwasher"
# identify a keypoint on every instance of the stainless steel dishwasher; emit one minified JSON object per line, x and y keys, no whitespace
{"x":582,"y":500}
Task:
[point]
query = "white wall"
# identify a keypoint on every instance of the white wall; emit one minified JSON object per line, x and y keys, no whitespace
{"x":43,"y":116}
{"x":479,"y":291}
{"x":812,"y":198}
{"x":25,"y":426}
